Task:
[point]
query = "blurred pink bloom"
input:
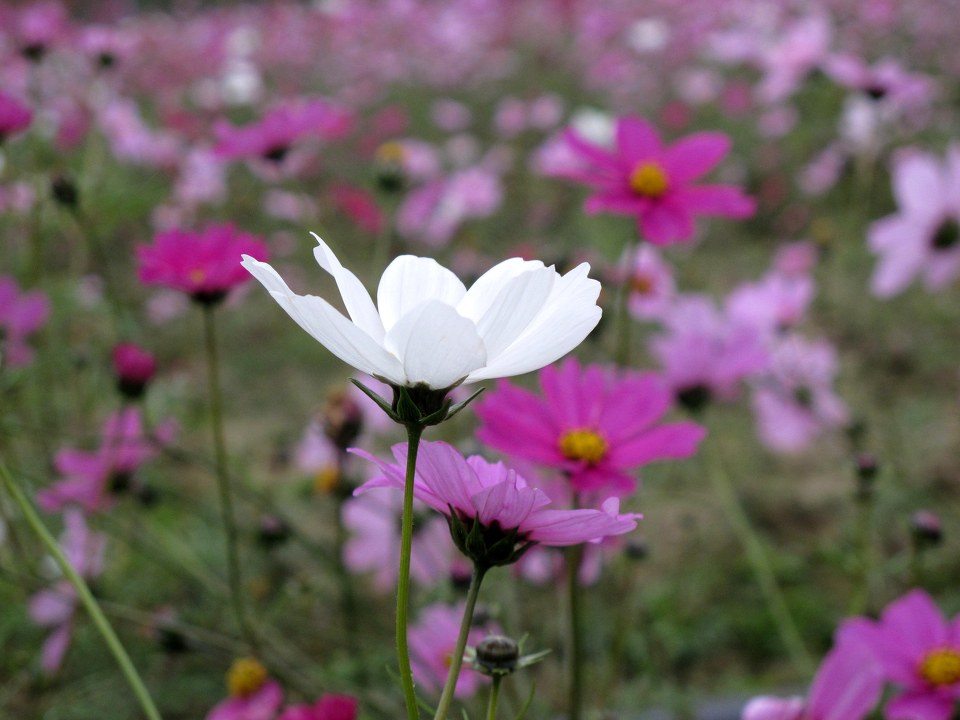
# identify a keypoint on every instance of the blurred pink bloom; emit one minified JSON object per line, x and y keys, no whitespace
{"x":373,"y":520}
{"x":824,"y":170}
{"x":360,"y":206}
{"x":433,"y":638}
{"x":847,"y":686}
{"x":775,"y":303}
{"x":593,"y":423}
{"x":704,"y":354}
{"x":91,"y":478}
{"x":475,"y":490}
{"x":328,"y":707}
{"x":434,"y":212}
{"x":21,"y":315}
{"x":55,"y":606}
{"x":14,"y":116}
{"x":795,"y":401}
{"x":39,"y":26}
{"x":203,"y":264}
{"x":261,"y":704}
{"x":886,"y":81}
{"x":131,"y":139}
{"x":272,"y":137}
{"x":545,"y":112}
{"x":653,"y":182}
{"x":17,"y":197}
{"x":510,"y":117}
{"x":921,"y":239}
{"x":796,"y":259}
{"x":134,"y":368}
{"x":801,"y":48}
{"x":450,"y":115}
{"x":918,"y":650}
{"x":201,"y":178}
{"x":650,"y":283}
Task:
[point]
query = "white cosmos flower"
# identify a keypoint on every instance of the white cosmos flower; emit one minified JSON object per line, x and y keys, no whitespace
{"x":428,"y":328}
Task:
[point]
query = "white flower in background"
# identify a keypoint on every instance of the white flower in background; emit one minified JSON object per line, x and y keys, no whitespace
{"x":427,"y":328}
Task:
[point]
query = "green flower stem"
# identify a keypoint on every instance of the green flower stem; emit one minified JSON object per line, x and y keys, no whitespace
{"x":622,"y":351}
{"x":403,"y":579}
{"x":84,"y":594}
{"x":234,"y":577}
{"x":456,"y":659}
{"x":575,"y":632}
{"x":763,"y":572}
{"x":494,"y":696}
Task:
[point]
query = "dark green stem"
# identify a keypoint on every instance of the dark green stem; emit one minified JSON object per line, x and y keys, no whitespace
{"x":234,"y":577}
{"x":494,"y":696}
{"x":456,"y":659}
{"x":403,"y":579}
{"x":575,"y":633}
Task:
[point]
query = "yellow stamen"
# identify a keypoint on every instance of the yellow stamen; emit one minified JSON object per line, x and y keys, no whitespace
{"x":649,"y":179}
{"x":941,"y":667}
{"x":390,"y":153}
{"x":583,"y":444}
{"x":245,"y":677}
{"x":326,"y":479}
{"x":197,"y":276}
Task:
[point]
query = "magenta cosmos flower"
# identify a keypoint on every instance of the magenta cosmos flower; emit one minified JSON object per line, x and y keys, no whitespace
{"x":919,"y":651}
{"x":474,"y":494}
{"x":253,"y":695}
{"x":593,"y":423}
{"x":55,"y":607}
{"x":433,"y":640}
{"x":203,"y":264}
{"x":91,"y":479}
{"x":14,"y":116}
{"x":329,"y":707}
{"x":922,"y":239}
{"x":846,"y":687}
{"x":643,"y":177}
{"x":21,"y":315}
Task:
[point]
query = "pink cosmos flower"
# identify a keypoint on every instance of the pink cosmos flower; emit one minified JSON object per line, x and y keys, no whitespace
{"x":56,"y":606}
{"x":203,"y":264}
{"x":39,"y":26}
{"x":788,"y":61}
{"x":432,"y":641}
{"x":373,"y":520}
{"x":704,"y":354}
{"x":654,"y":182}
{"x":919,"y":652}
{"x":272,"y":137}
{"x":328,"y":707}
{"x":650,"y":283}
{"x":846,"y":687}
{"x":134,"y":368}
{"x":794,"y":401}
{"x":360,"y":206}
{"x":91,"y":478}
{"x":885,"y":81}
{"x":253,"y":695}
{"x":593,"y":423}
{"x":921,"y":239}
{"x":775,"y":303}
{"x":21,"y":315}
{"x":473,"y":490}
{"x":14,"y":116}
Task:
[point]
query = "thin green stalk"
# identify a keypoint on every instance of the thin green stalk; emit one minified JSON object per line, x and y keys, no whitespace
{"x":84,"y":594}
{"x":763,"y":572}
{"x":348,"y":598}
{"x":623,"y":343}
{"x":403,"y":579}
{"x":575,"y":633}
{"x":456,"y":659}
{"x":861,"y":598}
{"x":234,"y":577}
{"x":494,"y":696}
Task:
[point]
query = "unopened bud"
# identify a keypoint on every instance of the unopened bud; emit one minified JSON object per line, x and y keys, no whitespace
{"x":498,"y":655}
{"x":926,"y":528}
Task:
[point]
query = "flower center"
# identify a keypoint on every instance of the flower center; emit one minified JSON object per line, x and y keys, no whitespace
{"x":946,"y":236}
{"x":941,"y":667}
{"x":642,"y":284}
{"x":197,"y":276}
{"x":390,"y":153}
{"x":648,"y":179}
{"x":245,"y":677}
{"x":326,"y":479}
{"x":582,"y":444}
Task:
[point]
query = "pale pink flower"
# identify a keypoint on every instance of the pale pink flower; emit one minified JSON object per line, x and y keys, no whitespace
{"x":433,"y":639}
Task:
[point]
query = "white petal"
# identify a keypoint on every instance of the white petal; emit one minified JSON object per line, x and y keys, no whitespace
{"x":410,"y":281}
{"x":355,"y":296}
{"x":436,"y":345}
{"x":568,"y":316}
{"x":514,"y":307}
{"x":483,"y":292}
{"x":331,"y":329}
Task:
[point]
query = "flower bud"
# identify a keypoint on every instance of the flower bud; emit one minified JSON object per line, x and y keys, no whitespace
{"x":637,"y":549}
{"x":64,"y":191}
{"x":497,"y":655}
{"x":926,"y":528}
{"x":866,"y":475}
{"x":273,"y":531}
{"x":134,"y":368}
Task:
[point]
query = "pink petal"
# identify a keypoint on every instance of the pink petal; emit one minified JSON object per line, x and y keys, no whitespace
{"x":695,"y":156}
{"x":636,"y":139}
{"x":674,"y":441}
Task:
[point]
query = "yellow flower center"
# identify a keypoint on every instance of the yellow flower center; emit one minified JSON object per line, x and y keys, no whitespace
{"x":197,"y":276}
{"x":390,"y":153}
{"x":586,"y":445}
{"x":642,"y":284}
{"x":941,"y":667}
{"x":326,"y":479}
{"x":245,"y":677}
{"x":649,"y":179}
